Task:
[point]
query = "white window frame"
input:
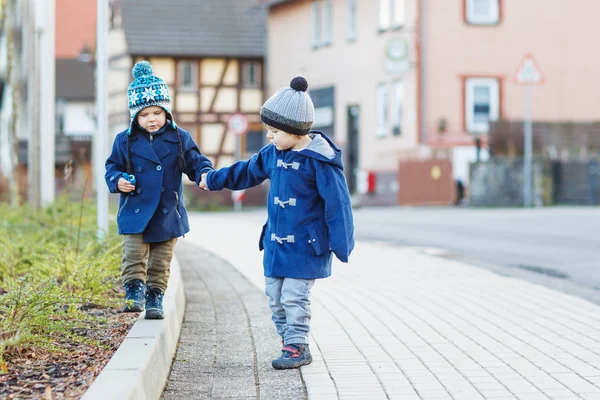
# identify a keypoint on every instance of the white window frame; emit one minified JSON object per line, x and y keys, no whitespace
{"x":193,"y":71}
{"x":382,"y":110}
{"x":494,"y":103}
{"x":492,"y":18}
{"x":397,"y":111}
{"x":351,"y":19}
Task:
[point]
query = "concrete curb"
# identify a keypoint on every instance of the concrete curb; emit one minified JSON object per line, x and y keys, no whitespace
{"x":140,"y":367}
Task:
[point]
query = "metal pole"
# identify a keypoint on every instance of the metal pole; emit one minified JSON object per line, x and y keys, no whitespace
{"x":423,"y":69}
{"x":33,"y":94}
{"x":528,"y":145}
{"x":101,"y":137}
{"x":45,"y":14}
{"x":237,"y":203}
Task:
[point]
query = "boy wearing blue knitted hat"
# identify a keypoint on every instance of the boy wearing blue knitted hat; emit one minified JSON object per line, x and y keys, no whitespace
{"x":146,"y":167}
{"x":309,"y":212}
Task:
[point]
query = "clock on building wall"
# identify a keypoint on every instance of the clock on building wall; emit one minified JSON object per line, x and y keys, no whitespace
{"x":396,"y":56}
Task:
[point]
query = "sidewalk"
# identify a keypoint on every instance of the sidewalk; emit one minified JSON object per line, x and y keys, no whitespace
{"x":399,"y":323}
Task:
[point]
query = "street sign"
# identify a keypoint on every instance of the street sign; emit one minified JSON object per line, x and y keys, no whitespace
{"x":528,"y":72}
{"x":237,"y":124}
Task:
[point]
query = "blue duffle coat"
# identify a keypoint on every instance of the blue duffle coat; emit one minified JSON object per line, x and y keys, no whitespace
{"x":156,"y":208}
{"x":309,"y":210}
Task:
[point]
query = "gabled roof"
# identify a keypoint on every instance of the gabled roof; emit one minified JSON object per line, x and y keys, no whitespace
{"x":75,"y":80}
{"x":194,"y":27}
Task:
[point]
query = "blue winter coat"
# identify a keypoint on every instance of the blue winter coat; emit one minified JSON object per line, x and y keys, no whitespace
{"x":309,"y":210}
{"x":156,"y":208}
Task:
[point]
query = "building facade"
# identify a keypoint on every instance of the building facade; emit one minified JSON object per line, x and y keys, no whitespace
{"x":361,"y":62}
{"x":460,"y":59}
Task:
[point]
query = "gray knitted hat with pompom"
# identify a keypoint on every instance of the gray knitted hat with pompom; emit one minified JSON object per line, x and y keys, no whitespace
{"x":290,"y":108}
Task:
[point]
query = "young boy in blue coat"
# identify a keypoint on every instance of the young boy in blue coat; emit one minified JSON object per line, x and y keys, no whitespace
{"x":146,"y":167}
{"x":309,"y":212}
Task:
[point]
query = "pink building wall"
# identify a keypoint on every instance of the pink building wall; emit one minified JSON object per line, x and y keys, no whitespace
{"x":561,"y":36}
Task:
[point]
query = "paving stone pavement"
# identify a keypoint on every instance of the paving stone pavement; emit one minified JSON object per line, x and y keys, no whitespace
{"x":227,"y":340}
{"x":398,"y":323}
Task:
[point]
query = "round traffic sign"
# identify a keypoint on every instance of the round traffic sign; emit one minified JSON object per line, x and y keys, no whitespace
{"x":237,"y":124}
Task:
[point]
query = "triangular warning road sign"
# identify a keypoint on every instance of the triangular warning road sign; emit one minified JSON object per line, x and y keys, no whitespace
{"x":528,"y":72}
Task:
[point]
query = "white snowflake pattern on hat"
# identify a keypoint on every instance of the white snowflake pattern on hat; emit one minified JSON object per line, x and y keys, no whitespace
{"x":149,"y":94}
{"x":132,"y":97}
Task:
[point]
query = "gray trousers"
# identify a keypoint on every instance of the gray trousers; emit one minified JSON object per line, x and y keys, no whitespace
{"x":148,"y":262}
{"x":290,"y":307}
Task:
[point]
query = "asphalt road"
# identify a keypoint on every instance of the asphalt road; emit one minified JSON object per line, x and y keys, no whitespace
{"x":555,"y":247}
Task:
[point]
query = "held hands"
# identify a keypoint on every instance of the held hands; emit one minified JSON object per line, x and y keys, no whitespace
{"x":125,"y":186}
{"x":202,"y":183}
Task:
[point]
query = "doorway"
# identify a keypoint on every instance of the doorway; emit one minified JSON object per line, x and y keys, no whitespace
{"x":351,"y":167}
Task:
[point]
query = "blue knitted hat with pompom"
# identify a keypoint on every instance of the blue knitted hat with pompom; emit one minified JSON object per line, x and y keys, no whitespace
{"x":147,"y":90}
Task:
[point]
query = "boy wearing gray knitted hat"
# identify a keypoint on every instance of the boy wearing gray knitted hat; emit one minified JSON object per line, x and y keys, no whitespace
{"x":309,"y":212}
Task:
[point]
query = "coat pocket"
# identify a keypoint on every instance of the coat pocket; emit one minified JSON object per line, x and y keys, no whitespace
{"x":177,"y":203}
{"x":314,"y":241}
{"x":122,"y":207}
{"x":262,"y":236}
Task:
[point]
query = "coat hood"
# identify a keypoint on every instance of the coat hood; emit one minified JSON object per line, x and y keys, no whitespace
{"x":323,"y":149}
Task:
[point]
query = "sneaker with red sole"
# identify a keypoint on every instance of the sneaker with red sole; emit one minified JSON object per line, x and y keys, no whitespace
{"x":293,"y":356}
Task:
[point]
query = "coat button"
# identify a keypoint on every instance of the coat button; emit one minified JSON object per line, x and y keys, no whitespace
{"x":137,"y":210}
{"x":162,"y":190}
{"x":140,"y":169}
{"x":165,"y":210}
{"x":158,"y":167}
{"x":112,"y":178}
{"x":139,"y":190}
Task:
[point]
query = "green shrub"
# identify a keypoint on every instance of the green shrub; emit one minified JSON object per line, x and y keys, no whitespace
{"x":53,"y":268}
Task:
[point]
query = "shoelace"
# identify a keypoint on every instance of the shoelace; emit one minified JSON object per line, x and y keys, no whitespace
{"x":134,"y":288}
{"x":291,"y":351}
{"x":154,"y":297}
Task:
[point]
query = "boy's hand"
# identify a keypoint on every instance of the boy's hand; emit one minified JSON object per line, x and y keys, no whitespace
{"x":202,"y":183}
{"x":124,"y":185}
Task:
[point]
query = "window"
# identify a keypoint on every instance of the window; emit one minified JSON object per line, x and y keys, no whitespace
{"x":398,"y":13}
{"x":351,"y":19}
{"x":187,"y":74}
{"x":483,"y":12}
{"x":322,"y":23}
{"x":482,"y":99}
{"x":327,"y":22}
{"x":397,"y":113}
{"x":317,"y":23}
{"x":251,"y":74}
{"x":382,"y":111}
{"x":384,"y":14}
{"x":392,"y":14}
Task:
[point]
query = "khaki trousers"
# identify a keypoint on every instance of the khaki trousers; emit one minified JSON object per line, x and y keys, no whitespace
{"x":148,"y":262}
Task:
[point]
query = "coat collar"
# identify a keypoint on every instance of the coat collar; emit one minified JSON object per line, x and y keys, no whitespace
{"x":158,"y":150}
